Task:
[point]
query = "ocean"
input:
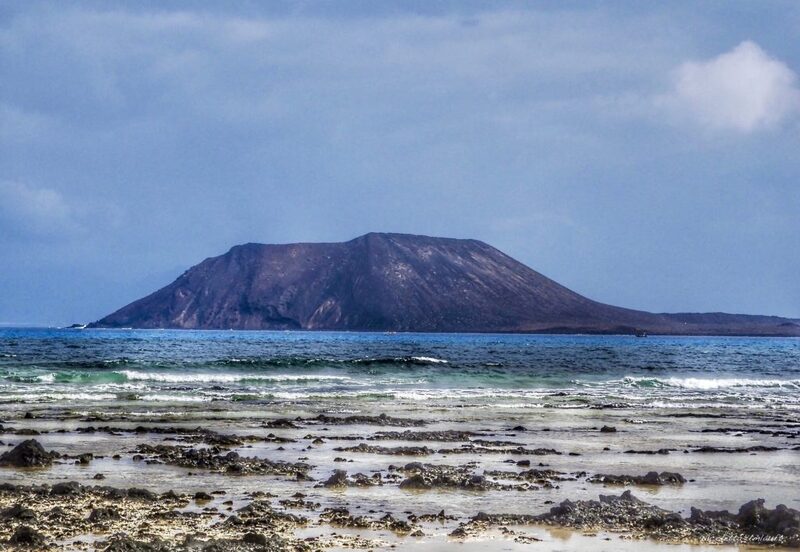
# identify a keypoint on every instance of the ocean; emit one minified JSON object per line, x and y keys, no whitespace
{"x":344,"y":370}
{"x":520,"y":422}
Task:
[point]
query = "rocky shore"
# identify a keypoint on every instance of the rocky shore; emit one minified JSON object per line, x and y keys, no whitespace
{"x":320,"y":482}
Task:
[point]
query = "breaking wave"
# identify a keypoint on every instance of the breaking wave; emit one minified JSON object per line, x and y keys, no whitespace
{"x":708,"y":384}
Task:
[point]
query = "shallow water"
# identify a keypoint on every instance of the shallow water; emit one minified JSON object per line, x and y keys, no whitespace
{"x":562,"y":389}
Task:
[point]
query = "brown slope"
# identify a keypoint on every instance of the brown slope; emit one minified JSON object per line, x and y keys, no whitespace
{"x":381,"y":282}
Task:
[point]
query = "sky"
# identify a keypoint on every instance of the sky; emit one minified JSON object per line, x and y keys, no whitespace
{"x":645,"y":154}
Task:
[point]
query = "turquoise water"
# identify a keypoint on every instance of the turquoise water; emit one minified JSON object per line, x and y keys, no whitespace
{"x":511,"y":371}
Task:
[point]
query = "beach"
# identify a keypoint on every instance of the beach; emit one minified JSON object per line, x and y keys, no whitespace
{"x":305,"y":441}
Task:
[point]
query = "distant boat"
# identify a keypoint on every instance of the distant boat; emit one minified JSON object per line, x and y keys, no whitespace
{"x":77,"y":327}
{"x":641,"y":333}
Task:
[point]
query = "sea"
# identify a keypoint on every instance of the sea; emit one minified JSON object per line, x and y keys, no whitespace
{"x":721,"y":411}
{"x":343,"y":370}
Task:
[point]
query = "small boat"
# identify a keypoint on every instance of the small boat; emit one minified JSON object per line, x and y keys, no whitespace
{"x":641,"y":333}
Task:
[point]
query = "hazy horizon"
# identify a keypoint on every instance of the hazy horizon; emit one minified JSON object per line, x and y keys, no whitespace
{"x":641,"y":155}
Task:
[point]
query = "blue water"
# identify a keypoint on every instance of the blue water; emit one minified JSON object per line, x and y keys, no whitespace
{"x":514,"y":371}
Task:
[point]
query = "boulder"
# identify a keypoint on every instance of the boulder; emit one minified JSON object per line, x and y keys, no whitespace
{"x":27,"y":454}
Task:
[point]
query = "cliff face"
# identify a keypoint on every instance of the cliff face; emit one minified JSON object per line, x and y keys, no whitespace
{"x":396,"y":282}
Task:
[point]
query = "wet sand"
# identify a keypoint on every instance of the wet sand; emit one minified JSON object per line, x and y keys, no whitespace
{"x":460,"y":462}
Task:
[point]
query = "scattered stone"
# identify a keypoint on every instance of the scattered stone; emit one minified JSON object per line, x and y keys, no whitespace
{"x":396,"y":451}
{"x":651,"y":478}
{"x":382,"y":419}
{"x":409,"y":435}
{"x":213,"y":459}
{"x":757,"y":448}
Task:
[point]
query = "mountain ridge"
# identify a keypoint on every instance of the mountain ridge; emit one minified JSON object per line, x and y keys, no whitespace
{"x":399,"y":282}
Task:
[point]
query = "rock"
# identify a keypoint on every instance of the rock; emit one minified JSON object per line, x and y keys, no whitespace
{"x":255,"y":538}
{"x":27,"y":431}
{"x":608,"y":429}
{"x":650,"y":478}
{"x":85,"y":458}
{"x":142,"y":494}
{"x":337,"y":479}
{"x":66,"y":489}
{"x":753,"y":524}
{"x":27,"y":536}
{"x":100,"y":515}
{"x":27,"y":454}
{"x":415,"y":482}
{"x":396,"y":451}
{"x":214,"y":459}
{"x":18,"y":511}
{"x":127,"y":544}
{"x":202,"y":496}
{"x":29,"y":416}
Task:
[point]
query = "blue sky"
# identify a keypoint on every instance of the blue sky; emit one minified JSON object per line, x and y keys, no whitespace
{"x":645,"y":154}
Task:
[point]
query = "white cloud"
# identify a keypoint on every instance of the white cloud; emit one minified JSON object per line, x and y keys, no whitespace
{"x":743,"y":90}
{"x":31,"y":212}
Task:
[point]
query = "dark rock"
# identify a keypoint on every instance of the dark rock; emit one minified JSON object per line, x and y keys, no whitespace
{"x":100,"y":515}
{"x":396,"y":451}
{"x":66,"y":489}
{"x":26,"y":536}
{"x":337,"y":479}
{"x":18,"y":511}
{"x":141,"y":494}
{"x":27,"y":454}
{"x":255,"y":538}
{"x":651,"y":478}
{"x":415,"y":482}
{"x":127,"y":544}
{"x":214,"y":459}
{"x":732,"y":450}
{"x":608,"y":429}
{"x":202,"y":497}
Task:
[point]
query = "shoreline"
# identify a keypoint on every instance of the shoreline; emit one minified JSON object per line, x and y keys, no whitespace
{"x":492,"y":474}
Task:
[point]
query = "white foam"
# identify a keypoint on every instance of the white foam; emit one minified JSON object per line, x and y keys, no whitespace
{"x":430,"y":360}
{"x":162,"y":377}
{"x":158,"y":397}
{"x":45,"y":397}
{"x":708,"y":384}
